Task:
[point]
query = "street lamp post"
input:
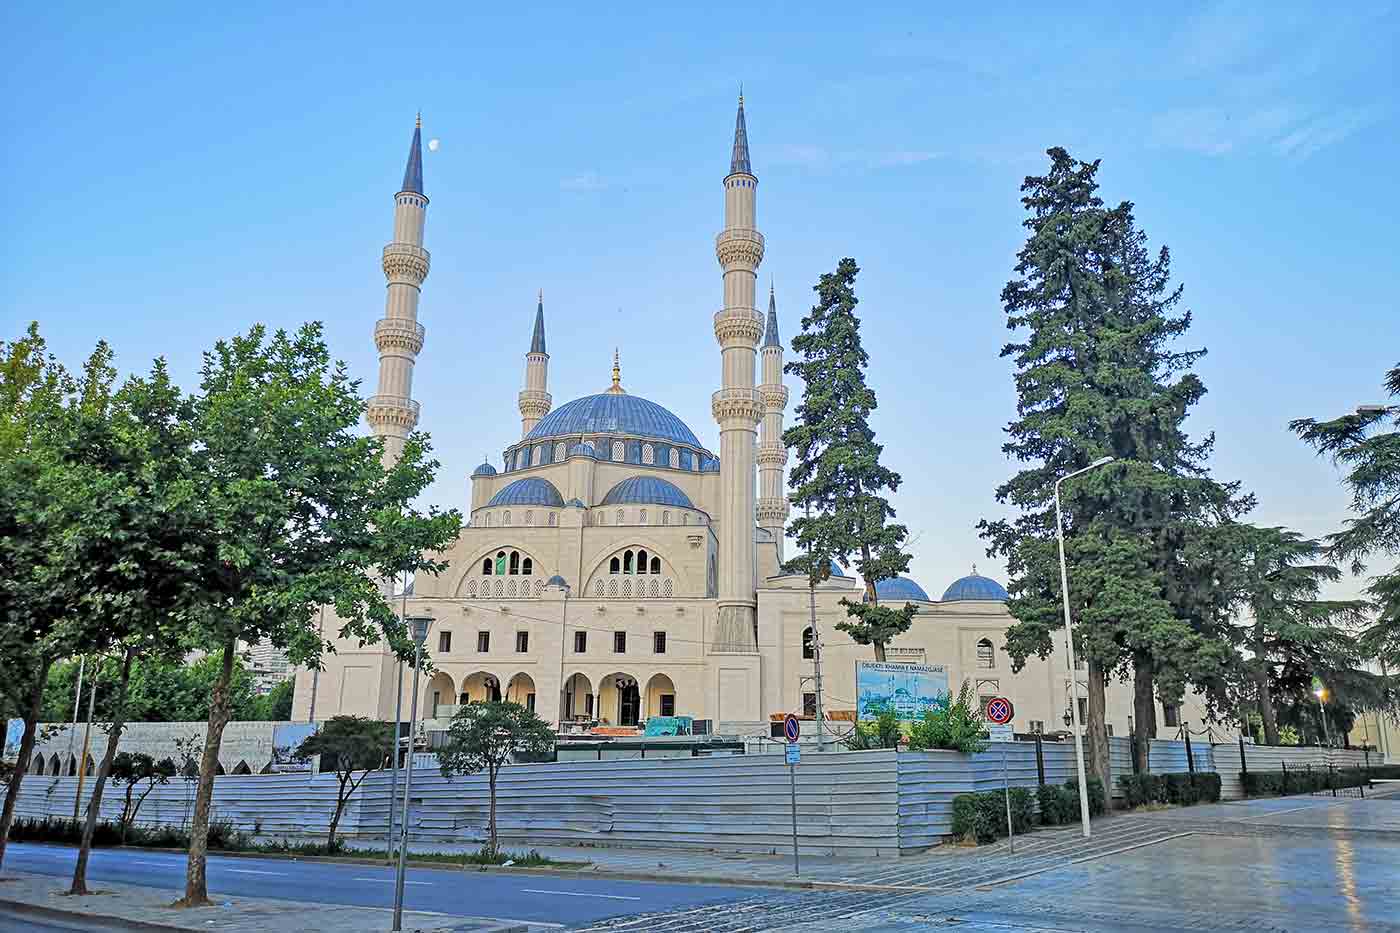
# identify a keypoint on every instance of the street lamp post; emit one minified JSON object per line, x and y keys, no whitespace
{"x":1321,"y":694}
{"x":1069,"y":650}
{"x":418,"y":628}
{"x":398,"y":718}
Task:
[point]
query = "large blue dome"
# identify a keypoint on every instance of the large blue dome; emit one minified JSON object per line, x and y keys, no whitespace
{"x":647,"y":490}
{"x":613,"y":413}
{"x":529,"y":491}
{"x":975,"y":586}
{"x":897,"y":588}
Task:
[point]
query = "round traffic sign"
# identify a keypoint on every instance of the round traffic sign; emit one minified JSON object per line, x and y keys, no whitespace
{"x":792,"y":728}
{"x":1000,"y":711}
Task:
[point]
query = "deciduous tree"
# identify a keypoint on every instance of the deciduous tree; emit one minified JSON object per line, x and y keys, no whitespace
{"x":487,"y":736}
{"x":348,"y":744}
{"x":134,"y":769}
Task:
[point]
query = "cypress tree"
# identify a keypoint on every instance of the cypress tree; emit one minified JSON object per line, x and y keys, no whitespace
{"x":1097,"y":375}
{"x":838,"y":478}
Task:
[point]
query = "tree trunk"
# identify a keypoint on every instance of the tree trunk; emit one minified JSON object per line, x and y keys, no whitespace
{"x":1144,"y":713}
{"x":26,"y":751}
{"x":873,"y":599}
{"x":196,"y":880}
{"x":114,"y":737}
{"x":1267,"y":714}
{"x":491,"y":818}
{"x":335,"y":818}
{"x":1097,"y":734}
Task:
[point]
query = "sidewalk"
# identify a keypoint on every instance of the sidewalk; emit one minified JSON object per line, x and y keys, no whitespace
{"x":133,"y":907}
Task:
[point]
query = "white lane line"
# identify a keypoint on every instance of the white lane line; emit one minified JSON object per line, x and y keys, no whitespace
{"x":137,"y":861}
{"x":391,"y":881}
{"x":250,"y":871}
{"x":611,"y":897}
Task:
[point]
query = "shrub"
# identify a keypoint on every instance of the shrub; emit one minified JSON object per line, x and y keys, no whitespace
{"x":1207,"y":786}
{"x":983,"y":816}
{"x":1098,"y":800}
{"x":1058,"y":804}
{"x":1179,"y":788}
{"x":957,"y":726}
{"x":1300,"y":781}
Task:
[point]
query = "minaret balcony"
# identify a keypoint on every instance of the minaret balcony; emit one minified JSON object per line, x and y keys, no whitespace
{"x":405,"y":264}
{"x":534,"y":403}
{"x":772,"y":454}
{"x":392,"y":410}
{"x":392,"y":333}
{"x":742,"y":327}
{"x":775,"y":396}
{"x":736,"y":407}
{"x":740,"y":247}
{"x":771,"y":512}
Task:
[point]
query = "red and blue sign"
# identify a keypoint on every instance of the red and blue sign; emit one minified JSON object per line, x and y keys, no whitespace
{"x":1000,"y":711}
{"x":792,"y":729}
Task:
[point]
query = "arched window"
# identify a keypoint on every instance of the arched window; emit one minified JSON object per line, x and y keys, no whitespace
{"x":627,"y":562}
{"x":600,"y":517}
{"x":488,"y":520}
{"x":486,"y":566}
{"x":685,"y":518}
{"x":514,"y":563}
{"x":617,"y":451}
{"x":527,"y":567}
{"x":619,"y":516}
{"x":665,"y":518}
{"x":529,"y":517}
{"x":615,"y":566}
{"x":539,"y":454}
{"x":648,"y":454}
{"x":641,"y":562}
{"x":553,"y":519}
{"x":986,"y":654}
{"x":506,"y":520}
{"x":644,"y":517}
{"x":656,"y":565}
{"x":500,"y":563}
{"x":675,"y":459}
{"x":559,"y":452}
{"x":809,"y":647}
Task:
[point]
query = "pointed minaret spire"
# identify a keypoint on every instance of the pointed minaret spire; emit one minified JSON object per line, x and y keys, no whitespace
{"x":537,"y":339}
{"x":534,"y":399}
{"x":739,"y":161}
{"x":616,"y":387}
{"x":770,"y":330}
{"x":413,"y":172}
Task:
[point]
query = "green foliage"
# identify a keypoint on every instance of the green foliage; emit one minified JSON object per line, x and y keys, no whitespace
{"x":982,"y":816}
{"x":1098,"y":797}
{"x":1095,"y":317}
{"x":1058,"y":804}
{"x":161,"y":690}
{"x":1358,"y":443}
{"x":1302,"y":780}
{"x":1207,"y":786}
{"x":885,"y":731}
{"x":1179,"y":788}
{"x":956,"y":726}
{"x":348,"y":744}
{"x":838,"y":479}
{"x":276,"y":704}
{"x":484,"y":737}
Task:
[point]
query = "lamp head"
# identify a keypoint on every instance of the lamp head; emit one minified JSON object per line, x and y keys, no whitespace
{"x":418,"y":627}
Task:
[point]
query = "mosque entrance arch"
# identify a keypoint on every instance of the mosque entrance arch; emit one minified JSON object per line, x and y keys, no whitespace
{"x":578,"y":698}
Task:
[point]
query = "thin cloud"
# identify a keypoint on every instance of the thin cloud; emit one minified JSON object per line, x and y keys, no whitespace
{"x":584,"y":181}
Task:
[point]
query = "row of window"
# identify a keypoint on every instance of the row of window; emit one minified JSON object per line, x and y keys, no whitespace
{"x":627,"y":588}
{"x":522,"y":642}
{"x":677,"y":458}
{"x":599,"y":517}
{"x":624,"y":563}
{"x":986,"y":653}
{"x":503,"y":588}
{"x":507,"y":562}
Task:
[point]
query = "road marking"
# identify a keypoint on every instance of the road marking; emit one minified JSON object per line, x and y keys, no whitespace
{"x":250,"y":871}
{"x":137,"y":861}
{"x":391,"y":880}
{"x":611,"y":897}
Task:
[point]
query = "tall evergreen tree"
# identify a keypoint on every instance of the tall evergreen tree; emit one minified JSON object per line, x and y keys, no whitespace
{"x":1371,"y":456}
{"x":1096,"y":375}
{"x":838,"y":479}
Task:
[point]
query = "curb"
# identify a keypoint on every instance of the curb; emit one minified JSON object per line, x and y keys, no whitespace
{"x":118,"y":923}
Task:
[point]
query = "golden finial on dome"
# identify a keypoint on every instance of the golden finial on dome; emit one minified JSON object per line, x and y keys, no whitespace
{"x":616,"y":388}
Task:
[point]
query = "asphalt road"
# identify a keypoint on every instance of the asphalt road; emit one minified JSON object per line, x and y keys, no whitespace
{"x":533,"y":898}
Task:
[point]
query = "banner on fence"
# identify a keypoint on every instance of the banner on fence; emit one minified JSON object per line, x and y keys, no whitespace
{"x":285,"y":739}
{"x":907,"y":689}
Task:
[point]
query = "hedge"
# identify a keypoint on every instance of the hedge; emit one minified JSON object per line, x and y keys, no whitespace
{"x":1302,"y":780}
{"x":1058,"y":804}
{"x":1098,"y":800}
{"x":983,"y":816}
{"x":52,"y":829}
{"x":1181,"y":788}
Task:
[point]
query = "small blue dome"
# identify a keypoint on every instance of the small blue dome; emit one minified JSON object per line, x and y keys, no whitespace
{"x":556,"y":580}
{"x":836,"y":570}
{"x":486,"y":469}
{"x":584,"y":449}
{"x":613,"y":413}
{"x":709,"y":465}
{"x":647,"y":490}
{"x":897,"y":588}
{"x":975,"y":586}
{"x":529,"y":491}
{"x":576,"y":504}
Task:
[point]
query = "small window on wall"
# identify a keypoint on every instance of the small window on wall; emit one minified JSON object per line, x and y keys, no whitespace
{"x":809,"y":704}
{"x":444,"y":642}
{"x":486,"y":566}
{"x":1171,"y":715}
{"x":809,"y":648}
{"x":522,"y":642}
{"x":986,"y":654}
{"x":530,"y":702}
{"x":483,"y":641}
{"x":580,"y":642}
{"x":1108,"y":726}
{"x":656,"y":565}
{"x":619,"y":642}
{"x":668,"y":704}
{"x":658,"y":643}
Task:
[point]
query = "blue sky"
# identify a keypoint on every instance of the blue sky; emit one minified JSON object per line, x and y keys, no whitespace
{"x":174,"y":175}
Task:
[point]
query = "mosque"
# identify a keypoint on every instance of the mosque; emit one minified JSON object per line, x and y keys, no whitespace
{"x":615,"y":569}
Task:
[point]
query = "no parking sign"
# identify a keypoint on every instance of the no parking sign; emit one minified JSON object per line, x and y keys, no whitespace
{"x":1000,"y":711}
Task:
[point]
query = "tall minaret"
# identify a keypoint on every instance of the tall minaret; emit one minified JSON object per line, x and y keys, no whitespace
{"x":393,"y":413}
{"x":738,"y":327}
{"x":772,"y":452}
{"x":534,"y":401}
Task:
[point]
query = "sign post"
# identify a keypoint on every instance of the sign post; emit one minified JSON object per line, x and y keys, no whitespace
{"x":792,"y":731}
{"x":999,"y":713}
